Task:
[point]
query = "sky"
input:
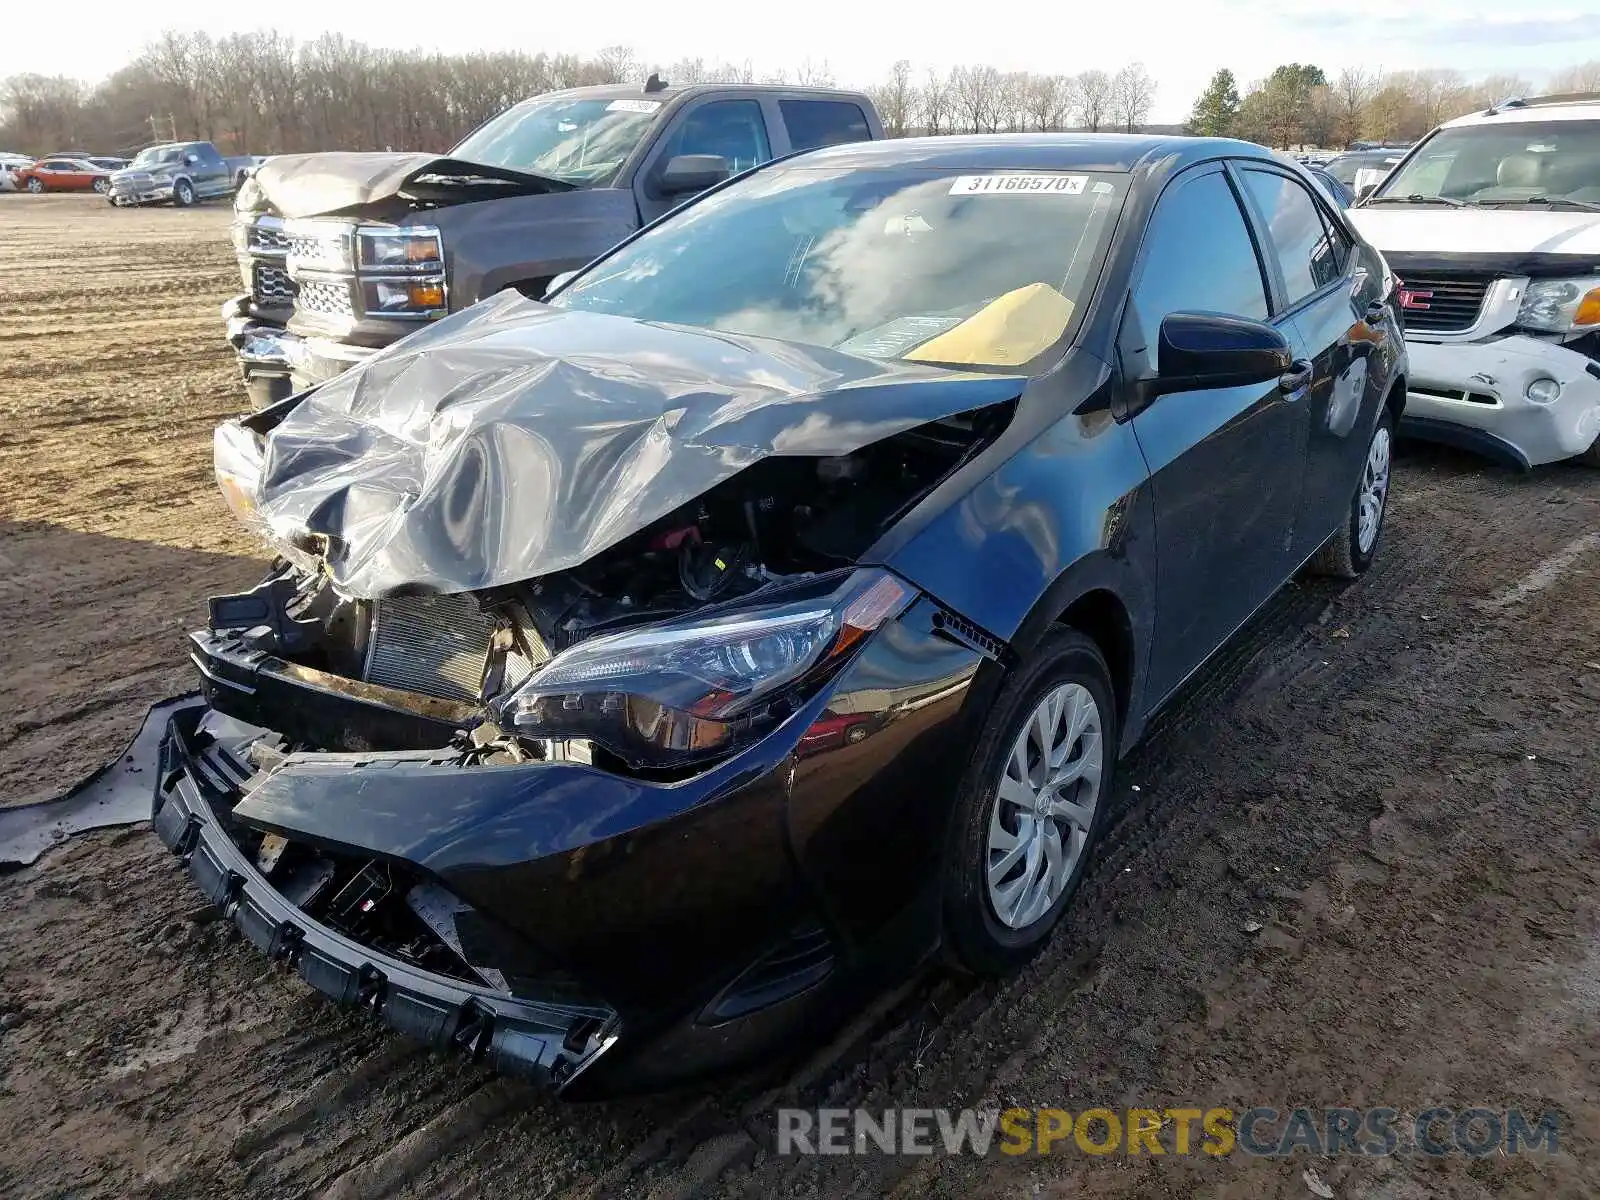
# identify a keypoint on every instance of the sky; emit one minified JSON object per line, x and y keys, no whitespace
{"x":1181,"y":42}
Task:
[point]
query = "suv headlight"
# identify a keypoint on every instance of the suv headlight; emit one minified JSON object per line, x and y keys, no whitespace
{"x":400,"y":248}
{"x":1561,"y":305}
{"x":672,"y":693}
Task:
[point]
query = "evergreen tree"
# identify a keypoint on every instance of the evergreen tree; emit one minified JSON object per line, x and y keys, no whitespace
{"x":1218,"y":105}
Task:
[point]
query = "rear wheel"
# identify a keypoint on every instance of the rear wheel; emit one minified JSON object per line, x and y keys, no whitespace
{"x":36,"y":186}
{"x":1031,"y":806}
{"x":1350,"y":551}
{"x":102,"y":186}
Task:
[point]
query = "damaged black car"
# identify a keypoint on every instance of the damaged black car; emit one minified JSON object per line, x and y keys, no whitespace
{"x":651,"y":671}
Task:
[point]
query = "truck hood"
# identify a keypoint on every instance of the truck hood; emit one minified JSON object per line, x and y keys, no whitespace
{"x":1488,"y":232}
{"x":513,"y":440}
{"x":311,"y":185}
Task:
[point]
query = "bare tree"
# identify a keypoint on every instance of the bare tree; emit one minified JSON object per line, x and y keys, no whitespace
{"x":975,"y":92}
{"x":1353,"y":91}
{"x":934,"y":103}
{"x":895,"y":98}
{"x":814,"y":74}
{"x":1585,"y":77}
{"x":1094,"y":99}
{"x":1132,"y":94}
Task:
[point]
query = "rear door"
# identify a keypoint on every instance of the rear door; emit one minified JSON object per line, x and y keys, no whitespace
{"x":1315,"y":285}
{"x":210,"y":173}
{"x":1226,"y":463}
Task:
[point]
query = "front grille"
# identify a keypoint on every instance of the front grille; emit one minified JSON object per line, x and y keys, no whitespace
{"x":272,"y":287}
{"x":330,"y":298}
{"x":1466,"y":396}
{"x":1442,"y":303}
{"x":267,"y":237}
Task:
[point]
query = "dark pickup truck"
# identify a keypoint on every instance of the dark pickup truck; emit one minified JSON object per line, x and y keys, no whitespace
{"x":343,"y":253}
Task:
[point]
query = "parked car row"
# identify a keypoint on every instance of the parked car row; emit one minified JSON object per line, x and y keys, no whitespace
{"x":181,"y":173}
{"x":746,"y":574}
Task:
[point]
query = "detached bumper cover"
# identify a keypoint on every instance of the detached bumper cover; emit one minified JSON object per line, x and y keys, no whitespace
{"x":548,"y":1043}
{"x":1481,"y":388}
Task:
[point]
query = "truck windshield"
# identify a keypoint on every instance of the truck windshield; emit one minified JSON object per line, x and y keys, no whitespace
{"x":1510,"y":163}
{"x":157,"y":156}
{"x":981,"y":270}
{"x":582,"y":142}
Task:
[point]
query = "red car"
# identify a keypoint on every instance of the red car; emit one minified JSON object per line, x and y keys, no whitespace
{"x":63,"y":175}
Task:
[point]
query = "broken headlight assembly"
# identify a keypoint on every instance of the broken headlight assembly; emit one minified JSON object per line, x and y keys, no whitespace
{"x":677,"y":692}
{"x":1561,"y":305}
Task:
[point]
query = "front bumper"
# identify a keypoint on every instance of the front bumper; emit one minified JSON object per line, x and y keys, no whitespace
{"x":549,"y":1043}
{"x":140,"y":191}
{"x":1474,"y":394}
{"x":276,"y":362}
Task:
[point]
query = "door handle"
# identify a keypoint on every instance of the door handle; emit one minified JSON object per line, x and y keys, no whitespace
{"x":1296,"y":379}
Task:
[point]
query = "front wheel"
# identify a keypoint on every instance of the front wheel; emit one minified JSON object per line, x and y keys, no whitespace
{"x":183,"y":193}
{"x":36,"y":186}
{"x":1031,"y":806}
{"x":1591,"y":456}
{"x":102,"y":186}
{"x":1350,"y":551}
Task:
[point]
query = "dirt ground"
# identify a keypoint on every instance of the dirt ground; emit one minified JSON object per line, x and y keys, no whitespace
{"x":1357,"y":865}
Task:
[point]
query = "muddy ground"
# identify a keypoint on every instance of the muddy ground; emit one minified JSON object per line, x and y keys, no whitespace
{"x":1360,"y":867}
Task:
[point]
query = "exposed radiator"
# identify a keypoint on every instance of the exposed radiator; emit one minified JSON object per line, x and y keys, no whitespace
{"x":436,"y":645}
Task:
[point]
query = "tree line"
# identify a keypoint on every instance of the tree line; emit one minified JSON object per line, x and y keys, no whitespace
{"x":1299,"y":105}
{"x":267,"y":93}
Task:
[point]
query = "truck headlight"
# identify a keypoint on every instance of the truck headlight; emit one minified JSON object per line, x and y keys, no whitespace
{"x":423,"y":295}
{"x":400,"y":248}
{"x":671,"y":693}
{"x":1560,"y":305}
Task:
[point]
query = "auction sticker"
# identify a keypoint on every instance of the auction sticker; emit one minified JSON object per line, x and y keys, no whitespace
{"x":638,"y":106}
{"x":1018,"y":185}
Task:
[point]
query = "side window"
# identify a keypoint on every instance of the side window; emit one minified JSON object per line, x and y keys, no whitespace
{"x":732,"y":128}
{"x":1295,"y":226}
{"x":1197,"y":257}
{"x":814,"y":123}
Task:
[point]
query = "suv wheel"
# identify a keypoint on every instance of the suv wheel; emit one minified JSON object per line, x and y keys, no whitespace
{"x":1350,"y":551}
{"x":1031,"y":806}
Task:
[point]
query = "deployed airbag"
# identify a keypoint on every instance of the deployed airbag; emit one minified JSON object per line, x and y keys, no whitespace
{"x":513,"y":439}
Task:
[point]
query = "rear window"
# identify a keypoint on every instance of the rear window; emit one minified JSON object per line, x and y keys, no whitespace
{"x":815,"y":123}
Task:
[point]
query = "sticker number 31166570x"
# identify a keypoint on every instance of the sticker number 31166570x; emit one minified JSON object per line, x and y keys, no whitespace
{"x":1018,"y":185}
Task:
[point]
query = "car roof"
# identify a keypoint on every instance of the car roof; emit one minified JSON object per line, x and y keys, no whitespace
{"x":1039,"y":151}
{"x":669,"y":91}
{"x":1522,"y":112}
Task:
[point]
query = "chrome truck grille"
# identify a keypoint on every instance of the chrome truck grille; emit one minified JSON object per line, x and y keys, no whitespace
{"x":436,"y":645}
{"x":326,"y":297}
{"x":272,"y":287}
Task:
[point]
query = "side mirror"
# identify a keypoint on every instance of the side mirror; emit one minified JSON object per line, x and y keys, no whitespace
{"x":558,"y":282}
{"x":687,"y":173}
{"x":191,"y":159}
{"x":1209,"y":350}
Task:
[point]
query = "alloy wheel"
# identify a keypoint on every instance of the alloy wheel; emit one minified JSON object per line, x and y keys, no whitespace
{"x":1374,"y":491}
{"x":1044,"y":806}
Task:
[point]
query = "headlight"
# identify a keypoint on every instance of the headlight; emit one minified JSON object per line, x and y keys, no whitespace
{"x":671,"y":693}
{"x":402,"y":248}
{"x":422,"y":296}
{"x":1560,"y":305}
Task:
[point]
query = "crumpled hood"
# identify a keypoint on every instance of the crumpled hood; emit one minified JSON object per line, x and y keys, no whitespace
{"x":310,"y":185}
{"x":1437,"y":230}
{"x":513,"y":439}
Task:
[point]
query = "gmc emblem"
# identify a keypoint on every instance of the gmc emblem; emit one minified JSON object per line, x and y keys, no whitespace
{"x":1415,"y":300}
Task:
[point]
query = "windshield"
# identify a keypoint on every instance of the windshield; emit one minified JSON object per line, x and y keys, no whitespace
{"x":983,"y":270}
{"x":1507,"y":163}
{"x":582,"y":142}
{"x":157,"y":156}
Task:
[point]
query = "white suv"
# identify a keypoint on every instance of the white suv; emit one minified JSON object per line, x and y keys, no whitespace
{"x":1492,"y":223}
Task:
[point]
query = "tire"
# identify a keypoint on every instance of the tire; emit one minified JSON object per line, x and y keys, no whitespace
{"x":1591,"y":456}
{"x":1349,"y":552}
{"x":103,"y":186}
{"x":984,"y":933}
{"x":36,"y":186}
{"x":183,"y":194}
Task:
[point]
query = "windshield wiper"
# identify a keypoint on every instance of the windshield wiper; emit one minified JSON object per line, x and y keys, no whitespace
{"x":1541,"y":202}
{"x":1415,"y":198}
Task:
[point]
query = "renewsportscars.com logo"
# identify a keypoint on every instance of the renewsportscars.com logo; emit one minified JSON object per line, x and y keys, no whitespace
{"x":1263,"y":1132}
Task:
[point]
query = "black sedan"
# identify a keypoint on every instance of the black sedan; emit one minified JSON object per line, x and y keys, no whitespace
{"x":650,"y":671}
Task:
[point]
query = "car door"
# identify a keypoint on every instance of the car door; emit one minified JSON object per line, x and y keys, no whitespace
{"x":1225,"y":463}
{"x":211,"y":173}
{"x":1316,"y":285}
{"x":733,"y":128}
